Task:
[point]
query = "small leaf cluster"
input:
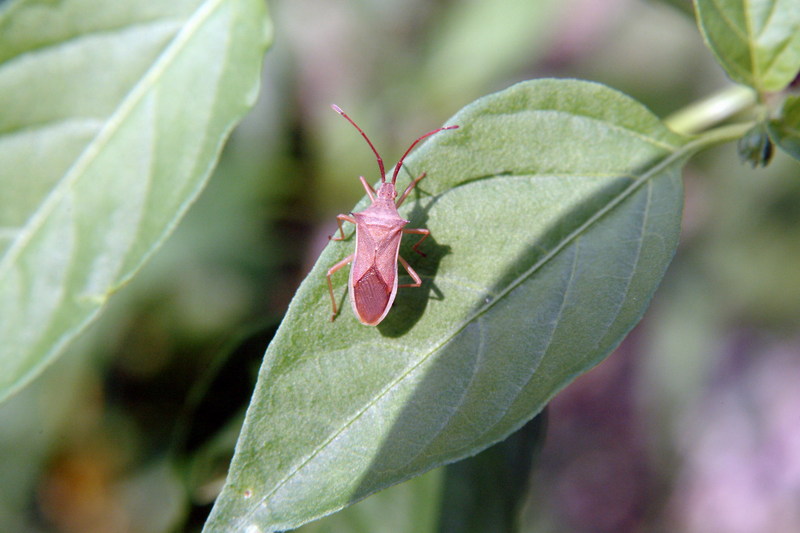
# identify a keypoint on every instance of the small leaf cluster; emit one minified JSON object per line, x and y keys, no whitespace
{"x":758,"y":45}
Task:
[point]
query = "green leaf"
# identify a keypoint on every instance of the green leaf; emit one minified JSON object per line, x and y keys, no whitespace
{"x":112,"y":116}
{"x":785,"y":131}
{"x":756,"y":41}
{"x":485,"y":493}
{"x":410,"y":507}
{"x":554,"y":211}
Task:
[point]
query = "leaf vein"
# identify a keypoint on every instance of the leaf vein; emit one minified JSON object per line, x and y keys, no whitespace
{"x":722,"y":12}
{"x":772,"y":11}
{"x":640,"y":243}
{"x":777,"y":53}
{"x":481,"y":352}
{"x":78,"y":37}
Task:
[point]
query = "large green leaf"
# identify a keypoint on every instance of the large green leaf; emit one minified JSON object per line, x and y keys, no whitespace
{"x":112,"y":115}
{"x":756,"y":41}
{"x":554,"y":211}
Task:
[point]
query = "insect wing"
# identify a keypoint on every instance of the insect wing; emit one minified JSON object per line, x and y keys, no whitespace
{"x":372,"y":297}
{"x":373,"y":276}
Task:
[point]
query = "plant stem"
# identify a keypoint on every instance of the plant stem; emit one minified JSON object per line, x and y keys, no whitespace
{"x":702,"y":115}
{"x":723,"y":134}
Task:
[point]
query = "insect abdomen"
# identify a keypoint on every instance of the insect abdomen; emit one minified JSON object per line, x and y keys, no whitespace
{"x":371,"y":296}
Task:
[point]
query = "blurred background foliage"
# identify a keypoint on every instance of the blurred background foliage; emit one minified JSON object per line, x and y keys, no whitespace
{"x":693,"y":424}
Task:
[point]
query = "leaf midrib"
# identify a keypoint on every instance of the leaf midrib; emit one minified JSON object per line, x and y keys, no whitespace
{"x":162,"y":62}
{"x":557,"y":321}
{"x":751,"y":44}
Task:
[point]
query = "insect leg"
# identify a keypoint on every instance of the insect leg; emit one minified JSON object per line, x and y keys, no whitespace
{"x":338,"y":266}
{"x":339,"y":219}
{"x":368,"y":188}
{"x":418,"y":231}
{"x":411,"y":272}
{"x":408,"y":189}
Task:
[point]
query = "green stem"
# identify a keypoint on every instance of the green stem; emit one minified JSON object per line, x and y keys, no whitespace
{"x":712,"y":110}
{"x":723,"y":134}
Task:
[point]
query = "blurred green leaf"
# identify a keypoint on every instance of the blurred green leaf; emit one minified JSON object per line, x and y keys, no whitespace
{"x":785,"y":131}
{"x":410,"y":507}
{"x":32,"y":423}
{"x":485,"y":493}
{"x":684,"y":6}
{"x":477,"y":43}
{"x":554,"y":211}
{"x":756,"y":41}
{"x":112,"y":116}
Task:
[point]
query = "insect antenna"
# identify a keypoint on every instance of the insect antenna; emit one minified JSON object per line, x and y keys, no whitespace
{"x":374,"y":151}
{"x":400,"y":163}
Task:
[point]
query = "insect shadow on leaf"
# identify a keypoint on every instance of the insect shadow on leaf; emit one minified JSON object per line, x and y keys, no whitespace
{"x":409,"y":306}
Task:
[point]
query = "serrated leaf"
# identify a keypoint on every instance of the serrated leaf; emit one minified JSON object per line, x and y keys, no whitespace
{"x":112,"y":115}
{"x":785,"y":131}
{"x":756,"y":41}
{"x":554,"y":211}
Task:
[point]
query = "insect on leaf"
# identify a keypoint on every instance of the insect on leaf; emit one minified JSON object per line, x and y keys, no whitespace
{"x":554,"y":211}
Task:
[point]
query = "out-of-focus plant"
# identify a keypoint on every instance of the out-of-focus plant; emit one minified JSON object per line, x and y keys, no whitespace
{"x":113,"y":116}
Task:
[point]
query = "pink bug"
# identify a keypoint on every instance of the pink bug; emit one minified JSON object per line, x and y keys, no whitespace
{"x":379,"y":229}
